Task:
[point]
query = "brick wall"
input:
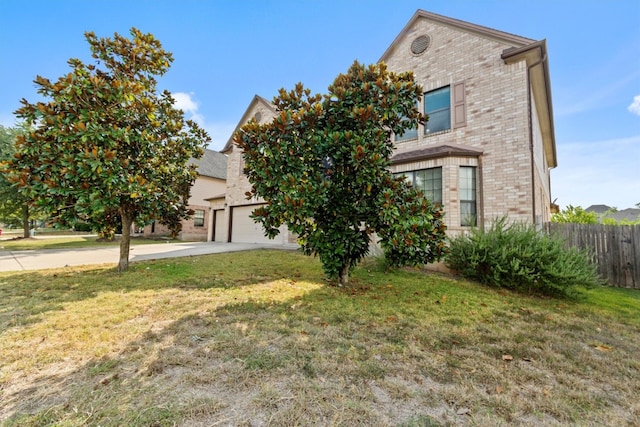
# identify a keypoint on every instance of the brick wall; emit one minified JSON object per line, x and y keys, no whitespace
{"x":203,"y":188}
{"x":497,"y":121}
{"x":497,"y":98}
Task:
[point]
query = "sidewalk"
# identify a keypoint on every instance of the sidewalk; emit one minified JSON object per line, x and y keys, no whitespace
{"x":58,"y":258}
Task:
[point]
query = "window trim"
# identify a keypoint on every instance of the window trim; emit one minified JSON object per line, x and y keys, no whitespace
{"x":413,"y":182}
{"x":430,"y":113}
{"x":472,"y":219}
{"x":409,"y":134}
{"x":197,"y":218}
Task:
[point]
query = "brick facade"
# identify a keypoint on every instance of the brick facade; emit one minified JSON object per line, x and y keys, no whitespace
{"x":203,"y":188}
{"x":501,"y":120}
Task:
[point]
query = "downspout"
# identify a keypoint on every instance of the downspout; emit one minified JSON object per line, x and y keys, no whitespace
{"x":531,"y":153}
{"x":481,"y":194}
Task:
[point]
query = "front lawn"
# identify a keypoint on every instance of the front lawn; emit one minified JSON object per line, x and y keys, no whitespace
{"x":259,"y":339}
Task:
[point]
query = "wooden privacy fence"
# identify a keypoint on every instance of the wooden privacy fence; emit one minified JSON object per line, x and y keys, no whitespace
{"x":615,"y":249}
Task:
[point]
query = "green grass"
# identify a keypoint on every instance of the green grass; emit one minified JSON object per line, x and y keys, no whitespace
{"x":68,"y":242}
{"x":259,"y":338}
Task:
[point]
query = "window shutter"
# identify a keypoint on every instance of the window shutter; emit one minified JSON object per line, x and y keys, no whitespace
{"x":459,"y":106}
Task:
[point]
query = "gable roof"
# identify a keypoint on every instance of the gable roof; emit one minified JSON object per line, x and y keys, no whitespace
{"x":630,"y":214}
{"x":212,"y":164}
{"x":599,"y":209}
{"x":257,"y":99}
{"x":512,"y":39}
{"x":521,"y":48}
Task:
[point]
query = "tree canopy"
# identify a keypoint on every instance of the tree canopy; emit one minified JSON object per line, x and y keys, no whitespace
{"x":14,"y":208}
{"x":106,"y":145}
{"x":576,"y":215}
{"x":323,"y":168}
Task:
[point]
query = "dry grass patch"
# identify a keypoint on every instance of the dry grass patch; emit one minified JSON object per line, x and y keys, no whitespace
{"x":258,"y":339}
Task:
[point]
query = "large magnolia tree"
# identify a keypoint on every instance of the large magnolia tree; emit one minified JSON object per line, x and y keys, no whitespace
{"x":106,"y":146}
{"x":323,"y":167}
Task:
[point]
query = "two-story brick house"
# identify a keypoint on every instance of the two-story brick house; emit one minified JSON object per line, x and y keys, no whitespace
{"x":488,"y":146}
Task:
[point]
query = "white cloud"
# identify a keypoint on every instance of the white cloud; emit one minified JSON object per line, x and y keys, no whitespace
{"x":220,"y":132}
{"x":635,"y":105}
{"x":185,"y":102}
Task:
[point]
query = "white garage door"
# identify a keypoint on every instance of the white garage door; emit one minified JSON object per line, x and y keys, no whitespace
{"x":219,"y":226}
{"x":243,"y":229}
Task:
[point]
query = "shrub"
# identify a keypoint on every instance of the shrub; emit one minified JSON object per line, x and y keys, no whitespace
{"x":82,"y":226}
{"x":518,"y":257}
{"x":575,"y":215}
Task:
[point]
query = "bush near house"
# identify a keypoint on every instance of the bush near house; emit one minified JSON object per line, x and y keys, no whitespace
{"x":518,"y":257}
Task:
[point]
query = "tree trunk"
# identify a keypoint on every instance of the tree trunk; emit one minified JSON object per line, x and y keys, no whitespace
{"x":26,"y":232}
{"x":125,"y":242}
{"x":344,"y":276}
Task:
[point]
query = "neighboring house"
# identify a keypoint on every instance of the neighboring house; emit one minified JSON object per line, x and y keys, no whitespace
{"x":488,"y":147}
{"x":607,"y":212}
{"x":212,"y":172}
{"x":599,"y":210}
{"x":630,"y":214}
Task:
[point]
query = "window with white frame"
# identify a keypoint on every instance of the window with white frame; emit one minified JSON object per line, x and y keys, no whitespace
{"x":437,"y":105}
{"x":198,"y":218}
{"x":467,"y":186}
{"x":428,"y":181}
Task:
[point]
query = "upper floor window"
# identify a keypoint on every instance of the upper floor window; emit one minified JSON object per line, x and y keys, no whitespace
{"x":468,"y":210}
{"x":198,"y":218}
{"x":409,"y":133}
{"x":437,"y":105}
{"x":428,"y":181}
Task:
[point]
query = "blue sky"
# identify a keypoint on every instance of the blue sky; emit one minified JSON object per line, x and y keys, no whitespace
{"x":227,"y":51}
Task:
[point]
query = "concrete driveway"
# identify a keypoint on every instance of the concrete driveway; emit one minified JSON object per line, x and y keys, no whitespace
{"x":58,"y":258}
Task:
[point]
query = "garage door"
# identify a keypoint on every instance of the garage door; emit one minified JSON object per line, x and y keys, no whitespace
{"x":219,"y":226}
{"x":243,"y":229}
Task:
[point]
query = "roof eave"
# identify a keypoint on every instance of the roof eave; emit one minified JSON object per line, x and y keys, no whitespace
{"x":436,"y":152}
{"x":218,"y":197}
{"x":245,"y":118}
{"x":535,"y":55}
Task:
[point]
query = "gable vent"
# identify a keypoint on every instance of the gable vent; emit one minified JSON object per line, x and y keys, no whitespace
{"x":420,"y":44}
{"x":258,"y":116}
